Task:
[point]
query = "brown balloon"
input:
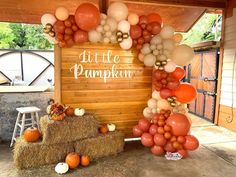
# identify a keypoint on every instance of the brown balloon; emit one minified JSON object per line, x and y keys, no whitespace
{"x":140,"y":40}
{"x":143,"y":26}
{"x":59,"y":27}
{"x":147,"y":38}
{"x":68,"y":31}
{"x":135,"y":31}
{"x":67,"y":37}
{"x":139,"y":46}
{"x":69,"y":43}
{"x":72,"y":19}
{"x":67,"y":23}
{"x":156,"y":28}
{"x":143,"y":19}
{"x":59,"y":36}
{"x":80,"y":36}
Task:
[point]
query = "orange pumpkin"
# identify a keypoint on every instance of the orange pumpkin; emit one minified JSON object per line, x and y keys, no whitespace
{"x":103,"y":129}
{"x":85,"y":160}
{"x":31,"y":134}
{"x":69,"y":111}
{"x":73,"y":160}
{"x":58,"y":117}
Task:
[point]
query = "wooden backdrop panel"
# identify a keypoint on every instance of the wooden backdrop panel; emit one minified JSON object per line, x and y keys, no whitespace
{"x":119,"y":100}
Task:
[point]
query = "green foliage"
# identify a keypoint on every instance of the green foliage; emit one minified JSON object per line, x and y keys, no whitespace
{"x":208,"y":28}
{"x":22,"y":36}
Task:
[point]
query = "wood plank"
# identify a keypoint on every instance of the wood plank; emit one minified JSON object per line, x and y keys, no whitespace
{"x":57,"y":74}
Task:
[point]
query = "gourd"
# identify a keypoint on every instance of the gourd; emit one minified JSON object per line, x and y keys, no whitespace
{"x":62,"y":168}
{"x":73,"y":160}
{"x":79,"y":111}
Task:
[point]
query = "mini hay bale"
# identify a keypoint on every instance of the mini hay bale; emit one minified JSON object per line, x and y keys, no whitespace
{"x":28,"y":155}
{"x":68,"y":130}
{"x":101,"y":146}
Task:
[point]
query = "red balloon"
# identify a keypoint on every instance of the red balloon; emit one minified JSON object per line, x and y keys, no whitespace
{"x":59,"y":27}
{"x":154,"y":17}
{"x":157,"y":150}
{"x":153,"y":129}
{"x":139,"y":46}
{"x":191,"y":143}
{"x":165,"y":93}
{"x":178,"y":73}
{"x":157,"y":74}
{"x":183,"y":153}
{"x":156,"y":28}
{"x":159,"y":139}
{"x":72,"y":19}
{"x":59,"y":36}
{"x":169,"y":148}
{"x":143,"y":19}
{"x":87,"y":16}
{"x":135,"y":31}
{"x":147,"y":38}
{"x":144,"y":124}
{"x":80,"y":36}
{"x":69,"y":43}
{"x":185,"y":93}
{"x":173,"y":85}
{"x":141,"y":40}
{"x":179,"y":123}
{"x":137,"y":131}
{"x":147,"y":140}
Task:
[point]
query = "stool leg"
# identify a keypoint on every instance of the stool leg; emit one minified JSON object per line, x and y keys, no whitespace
{"x":33,"y":119}
{"x":22,"y":124}
{"x":15,"y":129}
{"x":37,"y":120}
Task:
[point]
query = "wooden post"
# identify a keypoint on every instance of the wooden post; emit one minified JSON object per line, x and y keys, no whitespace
{"x":57,"y":73}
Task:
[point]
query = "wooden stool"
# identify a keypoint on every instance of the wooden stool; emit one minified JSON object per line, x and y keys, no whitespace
{"x":21,"y":120}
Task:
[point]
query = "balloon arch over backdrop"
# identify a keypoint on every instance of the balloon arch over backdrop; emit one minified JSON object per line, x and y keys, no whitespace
{"x":165,"y":126}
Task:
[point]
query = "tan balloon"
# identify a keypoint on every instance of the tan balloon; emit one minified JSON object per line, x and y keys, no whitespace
{"x":167,"y":32}
{"x":163,"y":104}
{"x":149,"y":60}
{"x":133,"y":19}
{"x":140,"y":57}
{"x":156,"y":95}
{"x":182,"y":55}
{"x":178,"y":37}
{"x":118,"y":10}
{"x":62,"y":13}
{"x":147,"y":112}
{"x":152,"y":103}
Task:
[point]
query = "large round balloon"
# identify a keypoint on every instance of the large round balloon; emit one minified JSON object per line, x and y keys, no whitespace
{"x":80,"y":36}
{"x":182,"y":55}
{"x":185,"y":93}
{"x":118,"y":10}
{"x":135,"y":31}
{"x":154,"y":17}
{"x":87,"y":16}
{"x":163,"y":104}
{"x":178,"y":73}
{"x":191,"y":143}
{"x":157,"y":150}
{"x":179,"y":123}
{"x":137,"y":132}
{"x":144,"y":124}
{"x":147,"y":140}
{"x":48,"y":18}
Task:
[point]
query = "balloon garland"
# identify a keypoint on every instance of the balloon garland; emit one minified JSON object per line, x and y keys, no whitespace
{"x":165,"y":126}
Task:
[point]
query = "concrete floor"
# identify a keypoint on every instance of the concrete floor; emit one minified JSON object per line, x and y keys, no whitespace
{"x":216,"y":157}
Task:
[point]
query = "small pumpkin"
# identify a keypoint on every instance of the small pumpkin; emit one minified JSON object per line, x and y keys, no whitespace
{"x":73,"y":160}
{"x":31,"y":134}
{"x":85,"y":160}
{"x":62,"y":168}
{"x":69,"y":111}
{"x":103,"y":129}
{"x":58,"y":117}
{"x":111,"y":127}
{"x":79,"y":111}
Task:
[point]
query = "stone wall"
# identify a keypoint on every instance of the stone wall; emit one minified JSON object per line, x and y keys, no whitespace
{"x":10,"y":101}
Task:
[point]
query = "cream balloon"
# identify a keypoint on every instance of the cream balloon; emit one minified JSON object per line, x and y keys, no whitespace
{"x":133,"y":19}
{"x":168,"y":44}
{"x":156,"y":40}
{"x":118,"y":10}
{"x":62,"y":13}
{"x":170,"y":67}
{"x":167,"y":32}
{"x":124,"y":26}
{"x":126,"y":43}
{"x":163,"y":104}
{"x":177,"y":37}
{"x":112,"y":23}
{"x":140,"y":57}
{"x":113,"y":39}
{"x":149,"y":60}
{"x":147,"y":112}
{"x":50,"y":39}
{"x":94,"y":36}
{"x":182,"y":55}
{"x":103,"y":16}
{"x":156,"y":95}
{"x":146,"y":49}
{"x":48,"y":18}
{"x":152,"y":103}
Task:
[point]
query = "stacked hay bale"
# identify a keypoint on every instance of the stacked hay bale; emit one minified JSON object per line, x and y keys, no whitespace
{"x":73,"y":134}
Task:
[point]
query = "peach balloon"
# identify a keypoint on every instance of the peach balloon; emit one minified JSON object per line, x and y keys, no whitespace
{"x":163,"y":104}
{"x":156,"y":95}
{"x":152,"y":103}
{"x":133,"y":19}
{"x":62,"y":13}
{"x":182,"y":55}
{"x":147,"y":112}
{"x":178,"y":37}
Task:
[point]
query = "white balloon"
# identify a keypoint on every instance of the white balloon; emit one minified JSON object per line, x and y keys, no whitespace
{"x":154,"y":110}
{"x":156,"y":95}
{"x":50,"y":39}
{"x":167,"y":32}
{"x":94,"y":36}
{"x":170,"y":67}
{"x":99,"y":28}
{"x":156,"y":40}
{"x":182,"y":55}
{"x":152,"y":103}
{"x":103,"y":16}
{"x":112,"y":23}
{"x":140,"y":57}
{"x":147,"y":112}
{"x":124,"y":26}
{"x":146,"y":49}
{"x":113,"y":39}
{"x":149,"y":60}
{"x":168,"y":44}
{"x":126,"y":43}
{"x":48,"y":18}
{"x":133,"y":19}
{"x":118,"y":10}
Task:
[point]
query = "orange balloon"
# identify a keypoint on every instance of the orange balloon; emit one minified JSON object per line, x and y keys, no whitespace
{"x":185,"y":93}
{"x":184,"y":153}
{"x":87,"y":16}
{"x":178,"y":73}
{"x":191,"y":143}
{"x":154,"y":17}
{"x":179,"y":123}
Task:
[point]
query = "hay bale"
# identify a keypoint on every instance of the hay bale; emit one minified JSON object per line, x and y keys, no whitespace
{"x":101,"y":146}
{"x":28,"y":155}
{"x":68,"y":130}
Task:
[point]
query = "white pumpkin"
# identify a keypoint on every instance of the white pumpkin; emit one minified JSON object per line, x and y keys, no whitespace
{"x":48,"y":110}
{"x":79,"y":111}
{"x":62,"y":168}
{"x":111,"y":127}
